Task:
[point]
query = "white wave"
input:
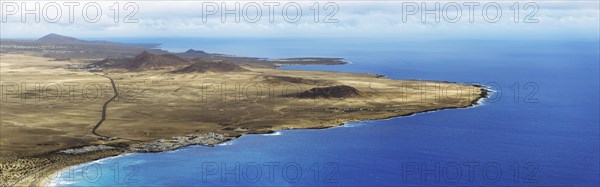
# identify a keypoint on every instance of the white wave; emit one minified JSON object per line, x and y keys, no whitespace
{"x":354,"y":124}
{"x":103,"y":160}
{"x":481,"y":101}
{"x":276,"y":133}
{"x":225,"y":143}
{"x":57,"y":182}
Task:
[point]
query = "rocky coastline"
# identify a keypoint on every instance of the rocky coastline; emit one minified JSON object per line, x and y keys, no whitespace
{"x":160,"y":145}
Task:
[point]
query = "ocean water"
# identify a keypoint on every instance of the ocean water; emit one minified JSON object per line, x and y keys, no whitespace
{"x":540,"y":127}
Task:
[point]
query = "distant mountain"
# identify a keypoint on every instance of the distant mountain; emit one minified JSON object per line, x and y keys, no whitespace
{"x":117,"y":54}
{"x":60,"y":39}
{"x":149,"y":61}
{"x":55,"y":38}
{"x":204,"y":66}
{"x":195,"y":52}
{"x":191,"y":53}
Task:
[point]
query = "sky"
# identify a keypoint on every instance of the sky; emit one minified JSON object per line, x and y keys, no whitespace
{"x":389,"y":19}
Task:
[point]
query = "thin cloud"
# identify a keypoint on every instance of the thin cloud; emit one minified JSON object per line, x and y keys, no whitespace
{"x":354,"y":19}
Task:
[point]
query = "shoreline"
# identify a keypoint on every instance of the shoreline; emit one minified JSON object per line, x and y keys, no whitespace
{"x":56,"y":170}
{"x":44,"y":175}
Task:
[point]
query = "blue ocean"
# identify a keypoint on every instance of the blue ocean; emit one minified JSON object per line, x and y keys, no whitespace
{"x":540,"y":127}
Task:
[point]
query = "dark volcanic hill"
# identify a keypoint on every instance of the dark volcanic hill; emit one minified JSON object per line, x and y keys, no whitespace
{"x":339,"y":91}
{"x":149,"y":61}
{"x":203,"y":66}
{"x":195,"y":52}
{"x":55,"y":38}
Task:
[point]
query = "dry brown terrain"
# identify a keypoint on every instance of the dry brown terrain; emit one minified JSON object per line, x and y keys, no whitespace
{"x":66,"y":105}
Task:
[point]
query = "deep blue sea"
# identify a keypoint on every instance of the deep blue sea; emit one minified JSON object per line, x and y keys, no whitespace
{"x":541,"y":127}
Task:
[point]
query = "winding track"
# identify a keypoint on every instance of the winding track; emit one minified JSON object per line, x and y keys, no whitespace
{"x":106,"y":106}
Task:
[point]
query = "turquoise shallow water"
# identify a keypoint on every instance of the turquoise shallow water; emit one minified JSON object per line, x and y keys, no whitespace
{"x":547,"y":134}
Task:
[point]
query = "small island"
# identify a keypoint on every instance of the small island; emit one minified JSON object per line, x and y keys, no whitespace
{"x":64,"y":107}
